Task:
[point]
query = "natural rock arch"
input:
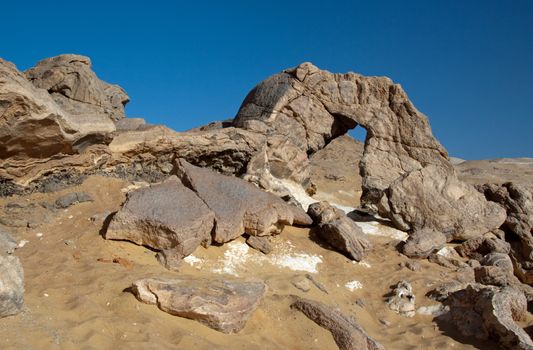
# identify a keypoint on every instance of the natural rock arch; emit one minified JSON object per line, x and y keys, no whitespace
{"x":407,"y":175}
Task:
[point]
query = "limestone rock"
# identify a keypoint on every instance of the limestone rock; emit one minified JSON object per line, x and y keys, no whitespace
{"x":487,"y":312}
{"x":11,"y":285}
{"x":422,"y":243}
{"x":219,"y":304}
{"x":69,"y":199}
{"x":407,"y":175}
{"x":239,"y":207}
{"x":34,"y":125}
{"x":163,"y":216}
{"x":339,"y":231}
{"x":402,"y":299}
{"x":347,"y":333}
{"x":518,"y":202}
{"x":75,"y":87}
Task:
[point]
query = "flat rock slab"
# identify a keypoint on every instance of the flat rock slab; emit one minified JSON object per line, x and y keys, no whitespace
{"x":347,"y":333}
{"x":239,"y":206}
{"x":219,"y":304}
{"x":166,"y":216}
{"x":11,"y":285}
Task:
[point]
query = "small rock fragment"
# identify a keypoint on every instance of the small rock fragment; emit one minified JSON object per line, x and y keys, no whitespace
{"x":69,"y":199}
{"x":301,"y":283}
{"x":260,"y":243}
{"x":402,"y":299}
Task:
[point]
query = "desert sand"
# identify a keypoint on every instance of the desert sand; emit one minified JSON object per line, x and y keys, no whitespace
{"x":77,"y":297}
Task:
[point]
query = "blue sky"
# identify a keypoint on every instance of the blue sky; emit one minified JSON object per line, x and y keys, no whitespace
{"x":466,"y":64}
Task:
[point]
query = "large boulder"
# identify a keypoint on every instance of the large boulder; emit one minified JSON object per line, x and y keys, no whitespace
{"x":518,"y":226}
{"x":309,"y":107}
{"x":166,"y":216}
{"x":239,"y":206}
{"x":345,"y":330}
{"x":487,"y":312}
{"x":34,"y":125}
{"x":75,"y":87}
{"x":219,"y":304}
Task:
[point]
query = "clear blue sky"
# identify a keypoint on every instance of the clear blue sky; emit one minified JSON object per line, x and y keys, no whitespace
{"x":468,"y":65}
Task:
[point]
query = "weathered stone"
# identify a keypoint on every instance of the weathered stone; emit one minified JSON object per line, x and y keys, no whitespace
{"x":407,"y":175}
{"x":478,"y":247}
{"x":24,"y":214}
{"x":219,"y":304}
{"x":11,"y":285}
{"x":339,"y":231}
{"x":402,"y":299}
{"x":239,"y":207}
{"x":422,"y":243}
{"x":74,"y":86}
{"x":69,"y":199}
{"x":487,"y":312}
{"x":33,"y":125}
{"x":260,"y":243}
{"x":7,"y":243}
{"x":302,"y":283}
{"x":166,"y":216}
{"x":346,"y":332}
{"x":518,"y":203}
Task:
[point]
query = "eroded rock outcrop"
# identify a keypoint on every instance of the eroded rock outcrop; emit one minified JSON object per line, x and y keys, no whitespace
{"x":518,"y":226}
{"x":34,"y":125}
{"x":487,"y":312}
{"x":75,"y":87}
{"x":219,"y":304}
{"x":407,"y":175}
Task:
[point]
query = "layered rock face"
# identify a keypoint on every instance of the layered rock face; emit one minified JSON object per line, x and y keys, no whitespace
{"x":407,"y":175}
{"x":36,"y":124}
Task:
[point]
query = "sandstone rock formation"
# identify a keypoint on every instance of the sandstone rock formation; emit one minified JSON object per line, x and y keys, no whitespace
{"x":239,"y":207}
{"x":34,"y":125}
{"x":486,"y":312}
{"x":347,"y":333}
{"x":222,"y":305}
{"x":407,"y":175}
{"x":518,"y":227}
{"x":74,"y":86}
{"x":166,"y":216}
{"x":339,"y":231}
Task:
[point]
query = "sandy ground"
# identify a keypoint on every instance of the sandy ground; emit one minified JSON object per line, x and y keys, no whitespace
{"x":77,"y":298}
